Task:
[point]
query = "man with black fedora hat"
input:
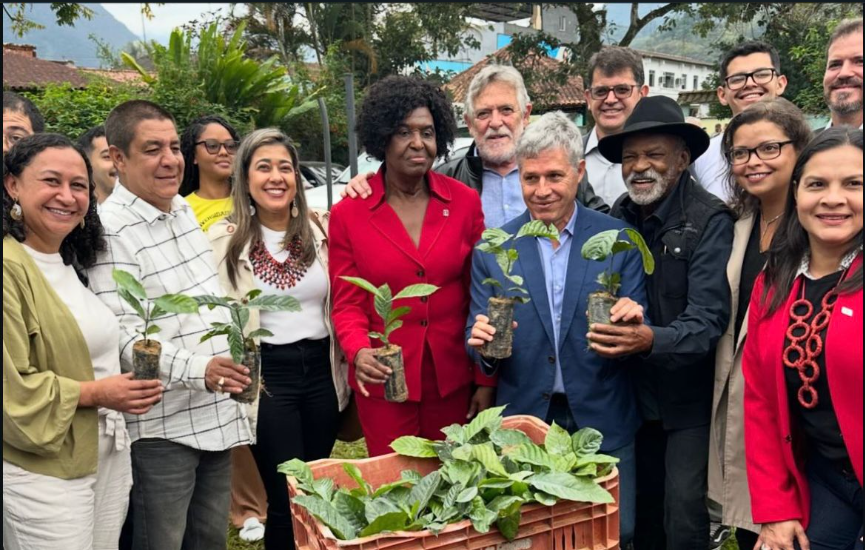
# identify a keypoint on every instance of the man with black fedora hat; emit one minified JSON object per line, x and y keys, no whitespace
{"x":690,"y":234}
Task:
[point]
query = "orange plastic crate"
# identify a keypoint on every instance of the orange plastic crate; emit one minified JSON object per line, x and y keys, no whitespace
{"x":565,"y":526}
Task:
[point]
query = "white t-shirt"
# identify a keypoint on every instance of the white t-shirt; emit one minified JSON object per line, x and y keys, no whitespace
{"x":311,"y":291}
{"x":97,"y":322}
{"x":605,"y":176}
{"x":710,"y":170}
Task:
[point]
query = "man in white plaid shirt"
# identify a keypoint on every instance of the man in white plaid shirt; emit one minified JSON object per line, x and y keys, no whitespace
{"x":180,"y":451}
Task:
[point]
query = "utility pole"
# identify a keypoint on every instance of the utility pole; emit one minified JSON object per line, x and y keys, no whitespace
{"x":143,"y":30}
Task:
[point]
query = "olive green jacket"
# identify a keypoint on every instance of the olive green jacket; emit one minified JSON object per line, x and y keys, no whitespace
{"x":45,"y":358}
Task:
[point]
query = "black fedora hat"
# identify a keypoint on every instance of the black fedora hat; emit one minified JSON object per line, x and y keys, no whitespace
{"x":656,"y":115}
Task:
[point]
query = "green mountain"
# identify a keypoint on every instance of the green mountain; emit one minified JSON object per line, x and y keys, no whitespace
{"x":70,"y":43}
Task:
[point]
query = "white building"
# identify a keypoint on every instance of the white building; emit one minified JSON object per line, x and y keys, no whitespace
{"x":669,"y":75}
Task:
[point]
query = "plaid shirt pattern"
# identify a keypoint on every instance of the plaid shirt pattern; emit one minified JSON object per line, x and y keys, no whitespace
{"x":168,"y":253}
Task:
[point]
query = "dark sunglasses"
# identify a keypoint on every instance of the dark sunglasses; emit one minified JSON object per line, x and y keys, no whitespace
{"x":213,"y":146}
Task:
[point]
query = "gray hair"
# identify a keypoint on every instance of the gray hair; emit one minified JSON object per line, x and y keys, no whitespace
{"x":496,"y":73}
{"x":552,"y":131}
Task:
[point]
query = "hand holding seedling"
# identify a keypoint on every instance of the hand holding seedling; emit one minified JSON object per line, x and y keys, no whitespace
{"x":368,"y":370}
{"x":121,"y":393}
{"x":483,"y":331}
{"x":231,"y":375}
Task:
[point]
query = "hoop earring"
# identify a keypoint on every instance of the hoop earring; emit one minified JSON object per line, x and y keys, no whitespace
{"x":294,"y":211}
{"x":16,"y":213}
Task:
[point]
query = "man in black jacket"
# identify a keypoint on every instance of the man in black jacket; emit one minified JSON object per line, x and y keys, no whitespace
{"x":497,"y":109}
{"x":690,"y":233}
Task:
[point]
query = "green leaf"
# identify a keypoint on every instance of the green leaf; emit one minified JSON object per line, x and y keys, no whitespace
{"x":460,"y":472}
{"x":622,"y":246}
{"x":239,"y":316}
{"x":450,"y":499}
{"x":455,"y":433}
{"x":564,"y":463}
{"x":545,"y":499}
{"x":298,"y":469}
{"x":486,"y":455}
{"x":467,"y":495}
{"x":376,"y":335}
{"x":410,"y":476}
{"x":645,"y":253}
{"x":388,"y":487}
{"x":327,"y":514}
{"x":483,"y":420}
{"x":536,"y":228}
{"x":587,"y":441}
{"x":177,"y":303}
{"x":504,"y":263}
{"x":387,"y":523}
{"x":221,"y":331}
{"x":516,"y":279}
{"x":253,"y":294}
{"x":274,"y":303}
{"x":152,"y":329}
{"x":509,"y":519}
{"x":417,"y":447}
{"x":362,"y":283}
{"x":354,"y":473}
{"x":595,"y":459}
{"x":134,"y":302}
{"x":390,"y":328}
{"x":495,"y":236}
{"x":323,"y":487}
{"x":425,"y":489}
{"x":491,"y":281}
{"x":558,"y":440}
{"x":259,"y":332}
{"x":211,"y":301}
{"x":383,"y":302}
{"x":570,"y":487}
{"x":351,"y":508}
{"x":530,"y":453}
{"x":416,"y":291}
{"x":598,"y":247}
{"x":379,"y":507}
{"x":509,"y":438}
{"x":156,"y":312}
{"x":129,"y":283}
{"x":463,"y":452}
{"x":235,"y":345}
{"x":396,"y":314}
{"x":481,"y":517}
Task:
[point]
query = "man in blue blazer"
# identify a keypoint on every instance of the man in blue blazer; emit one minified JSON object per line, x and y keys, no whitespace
{"x":552,"y":373}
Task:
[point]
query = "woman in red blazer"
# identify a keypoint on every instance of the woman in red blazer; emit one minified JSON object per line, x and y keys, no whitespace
{"x":417,"y":227}
{"x":803,"y":358}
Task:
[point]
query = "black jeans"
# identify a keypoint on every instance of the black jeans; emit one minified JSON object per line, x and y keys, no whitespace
{"x":298,"y":417}
{"x":672,"y":482}
{"x":836,"y":505}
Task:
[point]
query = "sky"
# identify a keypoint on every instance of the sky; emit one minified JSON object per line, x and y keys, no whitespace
{"x":165,"y":17}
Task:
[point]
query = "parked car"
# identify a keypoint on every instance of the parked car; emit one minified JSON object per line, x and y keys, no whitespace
{"x":315,"y":172}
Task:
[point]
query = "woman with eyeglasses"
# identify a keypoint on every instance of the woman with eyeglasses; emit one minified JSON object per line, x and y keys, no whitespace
{"x":761,"y":145}
{"x":802,"y":361}
{"x":208,"y":145}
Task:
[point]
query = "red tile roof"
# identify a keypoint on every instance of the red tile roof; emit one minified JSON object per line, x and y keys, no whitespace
{"x":569,"y":97}
{"x":124,"y":76}
{"x":23,"y":71}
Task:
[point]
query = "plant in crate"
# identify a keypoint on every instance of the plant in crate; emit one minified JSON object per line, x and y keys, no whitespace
{"x":146,"y":351}
{"x":244,"y":350}
{"x":487,"y":474}
{"x":601,"y":246}
{"x":390,"y":355}
{"x":500,"y":309}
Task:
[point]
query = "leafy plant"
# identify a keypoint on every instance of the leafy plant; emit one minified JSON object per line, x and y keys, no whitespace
{"x":494,"y":240}
{"x":132,"y":292}
{"x":607,"y":244}
{"x":487,"y":474}
{"x":384,"y":299}
{"x":238,"y":341}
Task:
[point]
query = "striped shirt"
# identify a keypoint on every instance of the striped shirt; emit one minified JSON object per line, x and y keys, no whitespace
{"x":169,"y":253}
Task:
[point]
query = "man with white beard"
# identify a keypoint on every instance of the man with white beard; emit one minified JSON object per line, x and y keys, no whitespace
{"x":497,"y":109}
{"x":690,"y":233}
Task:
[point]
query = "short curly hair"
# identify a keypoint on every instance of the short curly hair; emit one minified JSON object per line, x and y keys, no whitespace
{"x":81,"y":246}
{"x":390,"y":101}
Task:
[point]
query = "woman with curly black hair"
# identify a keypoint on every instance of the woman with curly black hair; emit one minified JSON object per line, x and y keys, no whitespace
{"x":417,"y":227}
{"x":62,"y":388}
{"x":208,"y":145}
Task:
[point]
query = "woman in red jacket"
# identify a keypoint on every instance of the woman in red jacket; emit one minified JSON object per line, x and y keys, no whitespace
{"x":417,"y":227}
{"x":803,"y":358}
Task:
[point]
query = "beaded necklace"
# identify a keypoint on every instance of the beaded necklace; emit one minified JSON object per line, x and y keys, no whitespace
{"x":808,"y":334}
{"x":281,"y":275}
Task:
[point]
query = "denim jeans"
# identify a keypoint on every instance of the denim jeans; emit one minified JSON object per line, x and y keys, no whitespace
{"x":181,"y":496}
{"x":560,"y":412}
{"x":298,"y":417}
{"x":672,"y":483}
{"x":836,"y":506}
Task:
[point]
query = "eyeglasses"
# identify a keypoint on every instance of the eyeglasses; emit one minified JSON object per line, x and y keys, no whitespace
{"x":760,"y":76}
{"x":765,"y":151}
{"x":213,"y":146}
{"x":621,"y":91}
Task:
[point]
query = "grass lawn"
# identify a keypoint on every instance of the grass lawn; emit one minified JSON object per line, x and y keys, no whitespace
{"x":358,"y":450}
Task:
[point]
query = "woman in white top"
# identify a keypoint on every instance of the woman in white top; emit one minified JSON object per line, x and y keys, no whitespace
{"x":66,"y":452}
{"x":272,"y":242}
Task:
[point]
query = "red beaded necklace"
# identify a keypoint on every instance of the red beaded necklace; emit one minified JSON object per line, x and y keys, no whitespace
{"x":809,"y":333}
{"x":282,"y":275}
